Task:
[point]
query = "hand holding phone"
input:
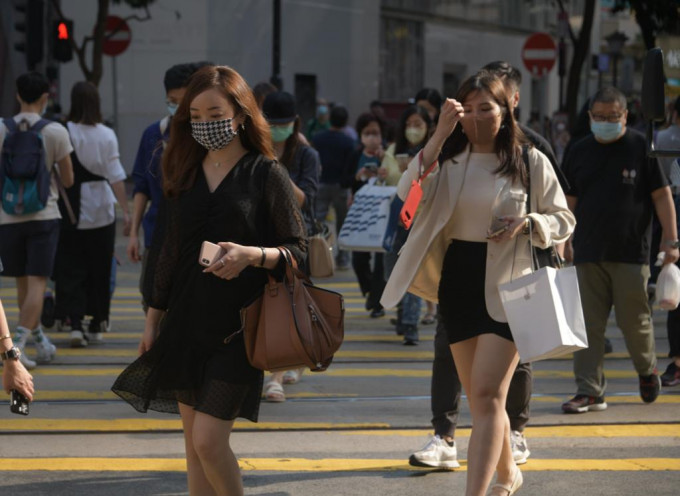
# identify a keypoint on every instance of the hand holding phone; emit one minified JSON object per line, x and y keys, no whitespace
{"x":210,"y":253}
{"x":18,"y":403}
{"x":497,"y":232}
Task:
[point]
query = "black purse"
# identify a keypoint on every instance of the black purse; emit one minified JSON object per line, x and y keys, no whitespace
{"x":541,"y":257}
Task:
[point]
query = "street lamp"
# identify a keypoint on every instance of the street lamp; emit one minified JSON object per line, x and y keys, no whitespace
{"x":616,"y":41}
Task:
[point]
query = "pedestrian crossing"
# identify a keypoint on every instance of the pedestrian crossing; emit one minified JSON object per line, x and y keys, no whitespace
{"x":371,"y":369}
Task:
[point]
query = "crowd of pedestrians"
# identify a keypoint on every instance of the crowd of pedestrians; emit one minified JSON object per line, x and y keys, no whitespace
{"x":238,"y":167}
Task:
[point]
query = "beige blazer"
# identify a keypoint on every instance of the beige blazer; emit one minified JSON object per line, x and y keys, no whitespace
{"x":418,"y":269}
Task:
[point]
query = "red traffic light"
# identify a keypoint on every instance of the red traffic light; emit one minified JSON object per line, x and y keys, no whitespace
{"x":62,"y":31}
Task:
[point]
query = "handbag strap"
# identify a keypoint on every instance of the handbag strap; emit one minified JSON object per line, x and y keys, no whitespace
{"x":420,"y":166}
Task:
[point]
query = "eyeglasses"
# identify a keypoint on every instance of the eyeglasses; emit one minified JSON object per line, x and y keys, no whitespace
{"x":608,"y":118}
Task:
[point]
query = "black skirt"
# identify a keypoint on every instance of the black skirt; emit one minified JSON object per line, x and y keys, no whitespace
{"x":462,"y":304}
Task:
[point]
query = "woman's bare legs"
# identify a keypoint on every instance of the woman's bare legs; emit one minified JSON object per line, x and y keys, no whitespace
{"x":485,"y":366}
{"x":212,"y":466}
{"x":196,"y":479}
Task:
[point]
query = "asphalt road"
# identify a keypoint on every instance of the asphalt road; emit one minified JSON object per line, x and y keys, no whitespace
{"x":348,"y":431}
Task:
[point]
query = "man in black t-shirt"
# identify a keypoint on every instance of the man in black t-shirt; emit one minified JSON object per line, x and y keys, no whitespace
{"x":614,"y":189}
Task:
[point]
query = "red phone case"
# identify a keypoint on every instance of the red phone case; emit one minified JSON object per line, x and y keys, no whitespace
{"x":408,"y":211}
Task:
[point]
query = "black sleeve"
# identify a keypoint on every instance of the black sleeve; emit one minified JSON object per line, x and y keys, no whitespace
{"x":657,"y":177}
{"x":351,"y":160}
{"x":568,"y":170}
{"x":310,"y":171}
{"x":543,"y":146}
{"x":163,"y":256}
{"x":285,"y":224}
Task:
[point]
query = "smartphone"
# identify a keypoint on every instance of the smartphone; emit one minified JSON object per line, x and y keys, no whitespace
{"x":373,"y":168}
{"x":210,"y":253}
{"x":497,"y":232}
{"x":18,"y":403}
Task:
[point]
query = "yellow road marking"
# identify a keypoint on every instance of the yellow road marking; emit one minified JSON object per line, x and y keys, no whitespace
{"x":322,"y":465}
{"x":138,"y":425}
{"x":564,"y":431}
{"x":335,"y":372}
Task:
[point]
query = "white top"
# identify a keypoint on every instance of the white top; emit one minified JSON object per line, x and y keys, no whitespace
{"x":472,"y":215}
{"x":97,"y":149}
{"x":57,"y":146}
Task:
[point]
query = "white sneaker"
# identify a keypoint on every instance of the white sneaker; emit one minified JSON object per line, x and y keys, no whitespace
{"x":46,"y":350}
{"x":94,"y":337}
{"x":520,"y":450}
{"x":436,"y":453}
{"x":20,"y":342}
{"x":78,"y":339}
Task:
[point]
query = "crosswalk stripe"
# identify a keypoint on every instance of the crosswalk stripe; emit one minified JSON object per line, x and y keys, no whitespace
{"x":322,"y":465}
{"x":334,"y":372}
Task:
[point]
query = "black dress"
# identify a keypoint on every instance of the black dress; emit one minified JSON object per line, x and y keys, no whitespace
{"x":254,"y":205}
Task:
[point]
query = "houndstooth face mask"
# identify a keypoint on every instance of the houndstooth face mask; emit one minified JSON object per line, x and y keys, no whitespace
{"x":213,"y":135}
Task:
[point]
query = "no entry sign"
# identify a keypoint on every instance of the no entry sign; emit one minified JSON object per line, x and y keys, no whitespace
{"x":539,"y":54}
{"x":117,"y":36}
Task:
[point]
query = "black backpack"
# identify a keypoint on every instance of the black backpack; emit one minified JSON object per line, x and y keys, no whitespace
{"x":24,"y":176}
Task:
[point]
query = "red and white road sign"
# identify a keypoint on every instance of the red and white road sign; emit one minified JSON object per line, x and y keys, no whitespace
{"x":117,"y":36}
{"x":539,"y":54}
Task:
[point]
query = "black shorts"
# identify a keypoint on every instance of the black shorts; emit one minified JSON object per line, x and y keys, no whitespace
{"x":29,"y":248}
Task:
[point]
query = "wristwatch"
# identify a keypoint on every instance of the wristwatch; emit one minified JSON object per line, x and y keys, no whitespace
{"x":528,"y":225}
{"x":673,"y":243}
{"x":12,"y":354}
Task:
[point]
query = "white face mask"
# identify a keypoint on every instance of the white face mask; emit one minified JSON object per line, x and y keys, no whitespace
{"x":414,"y":135}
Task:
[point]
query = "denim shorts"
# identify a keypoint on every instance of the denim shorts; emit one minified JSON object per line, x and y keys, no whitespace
{"x":29,"y":248}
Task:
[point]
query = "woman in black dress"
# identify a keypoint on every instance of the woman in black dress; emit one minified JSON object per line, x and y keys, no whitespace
{"x":221,"y":184}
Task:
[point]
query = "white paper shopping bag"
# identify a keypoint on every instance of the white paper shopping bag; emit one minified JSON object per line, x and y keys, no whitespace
{"x":367,"y":224}
{"x":544,"y":313}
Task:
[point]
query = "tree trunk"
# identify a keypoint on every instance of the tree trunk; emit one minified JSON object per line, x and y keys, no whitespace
{"x":580,"y":53}
{"x":95,"y":75}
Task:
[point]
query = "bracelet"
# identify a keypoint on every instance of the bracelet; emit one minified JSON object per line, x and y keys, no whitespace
{"x":264,"y":257}
{"x":5,"y":337}
{"x":528,"y":224}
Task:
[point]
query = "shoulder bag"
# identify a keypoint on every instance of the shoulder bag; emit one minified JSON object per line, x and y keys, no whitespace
{"x":293,"y":323}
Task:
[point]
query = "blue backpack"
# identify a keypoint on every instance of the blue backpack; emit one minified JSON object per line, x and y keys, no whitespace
{"x":24,"y":176}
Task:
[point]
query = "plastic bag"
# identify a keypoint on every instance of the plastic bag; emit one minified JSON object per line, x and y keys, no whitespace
{"x":668,"y":287}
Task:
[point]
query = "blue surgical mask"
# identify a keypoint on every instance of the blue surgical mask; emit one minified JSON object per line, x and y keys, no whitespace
{"x":281,"y":133}
{"x":606,"y":131}
{"x":172,"y":108}
{"x":321,"y":110}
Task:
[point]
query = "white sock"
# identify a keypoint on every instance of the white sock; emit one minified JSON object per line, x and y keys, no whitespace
{"x":21,"y":335}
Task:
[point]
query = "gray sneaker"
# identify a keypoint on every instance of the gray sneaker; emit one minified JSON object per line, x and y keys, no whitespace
{"x":437,"y":454}
{"x":520,"y":450}
{"x":20,"y":342}
{"x":45,"y":349}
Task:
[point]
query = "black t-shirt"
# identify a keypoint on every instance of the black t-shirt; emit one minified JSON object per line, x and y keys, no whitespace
{"x":542,"y":145}
{"x":613,"y":183}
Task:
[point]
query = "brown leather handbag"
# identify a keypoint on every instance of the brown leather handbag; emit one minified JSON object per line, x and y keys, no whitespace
{"x":320,"y":252}
{"x":293,"y":324}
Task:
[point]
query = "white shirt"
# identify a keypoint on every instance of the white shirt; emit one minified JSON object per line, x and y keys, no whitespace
{"x":57,"y":146}
{"x":471,"y":218}
{"x":97,"y":150}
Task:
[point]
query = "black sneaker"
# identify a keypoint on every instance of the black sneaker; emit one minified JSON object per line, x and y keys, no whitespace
{"x":376,"y":314}
{"x":649,"y":387}
{"x":47,"y":316}
{"x":672,"y":375}
{"x":608,"y":348}
{"x":582,"y":403}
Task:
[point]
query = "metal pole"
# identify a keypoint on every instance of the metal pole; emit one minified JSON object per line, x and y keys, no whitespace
{"x":616,"y":60}
{"x":114,"y":73}
{"x":276,"y":47}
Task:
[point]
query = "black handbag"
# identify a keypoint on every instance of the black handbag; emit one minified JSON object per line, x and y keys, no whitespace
{"x":541,"y":257}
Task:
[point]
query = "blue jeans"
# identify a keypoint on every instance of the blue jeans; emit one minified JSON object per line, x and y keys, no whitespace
{"x":410,"y":304}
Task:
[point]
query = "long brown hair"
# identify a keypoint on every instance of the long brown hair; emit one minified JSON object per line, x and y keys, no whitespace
{"x":184,"y":155}
{"x":292,"y":144}
{"x":509,"y":140}
{"x":85,"y":104}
